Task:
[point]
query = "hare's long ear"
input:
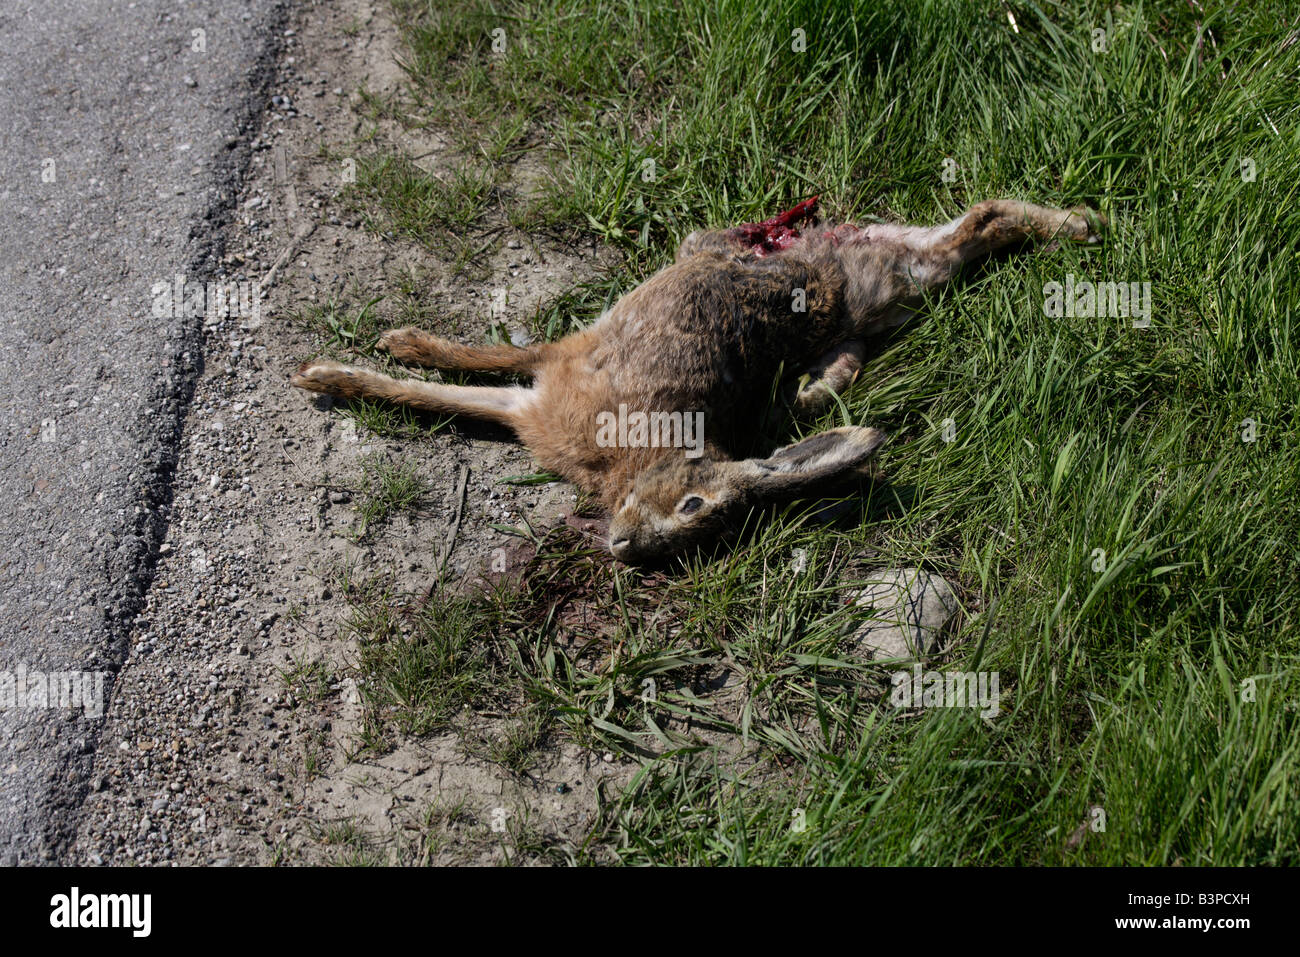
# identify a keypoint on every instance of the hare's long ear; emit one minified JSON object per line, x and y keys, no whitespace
{"x":818,"y":465}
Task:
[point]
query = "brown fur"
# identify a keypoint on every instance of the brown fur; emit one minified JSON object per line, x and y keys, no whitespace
{"x":709,"y":334}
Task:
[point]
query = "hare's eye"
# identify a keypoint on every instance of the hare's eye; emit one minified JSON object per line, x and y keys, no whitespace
{"x":690,"y":505}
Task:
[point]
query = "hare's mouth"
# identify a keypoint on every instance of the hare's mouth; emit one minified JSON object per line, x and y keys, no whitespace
{"x":630,"y":552}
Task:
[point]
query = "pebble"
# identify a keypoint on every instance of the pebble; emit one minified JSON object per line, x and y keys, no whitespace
{"x":904,"y":612}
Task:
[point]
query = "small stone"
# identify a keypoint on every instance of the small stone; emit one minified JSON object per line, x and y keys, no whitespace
{"x":906,"y":610}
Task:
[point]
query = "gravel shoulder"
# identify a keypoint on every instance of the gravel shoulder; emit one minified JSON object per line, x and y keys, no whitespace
{"x":124,"y":137}
{"x":234,"y":731}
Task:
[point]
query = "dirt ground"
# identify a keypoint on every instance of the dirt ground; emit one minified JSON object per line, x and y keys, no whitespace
{"x":213,"y":754}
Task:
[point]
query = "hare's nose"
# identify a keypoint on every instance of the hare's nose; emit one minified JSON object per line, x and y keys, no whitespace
{"x":623,"y":549}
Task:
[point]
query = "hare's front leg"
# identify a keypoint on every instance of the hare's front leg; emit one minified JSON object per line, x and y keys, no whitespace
{"x":830,"y":375}
{"x":502,"y":404}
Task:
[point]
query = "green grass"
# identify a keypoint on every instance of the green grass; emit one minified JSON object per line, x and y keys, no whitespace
{"x":341,"y":328}
{"x":308,"y":681}
{"x":347,"y":327}
{"x":349,"y":844}
{"x":385,"y":489}
{"x":419,"y":202}
{"x":417,"y":668}
{"x":1152,"y":689}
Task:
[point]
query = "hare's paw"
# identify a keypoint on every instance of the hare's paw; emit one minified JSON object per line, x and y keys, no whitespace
{"x":811,"y":397}
{"x":407,"y":344}
{"x":830,"y":375}
{"x":1084,"y":225}
{"x":327,"y":377}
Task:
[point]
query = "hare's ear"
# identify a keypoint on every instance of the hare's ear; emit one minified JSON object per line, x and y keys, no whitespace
{"x":817,"y":465}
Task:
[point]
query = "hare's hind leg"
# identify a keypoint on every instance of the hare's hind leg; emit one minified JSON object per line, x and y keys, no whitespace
{"x":997,"y":222}
{"x":504,"y":405}
{"x":940,"y":251}
{"x":889,"y":267}
{"x":420,"y":348}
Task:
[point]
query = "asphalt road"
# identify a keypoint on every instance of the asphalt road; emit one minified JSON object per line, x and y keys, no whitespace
{"x":123,"y":133}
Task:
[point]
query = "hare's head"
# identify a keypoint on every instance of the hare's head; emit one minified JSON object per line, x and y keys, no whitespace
{"x":680,"y":503}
